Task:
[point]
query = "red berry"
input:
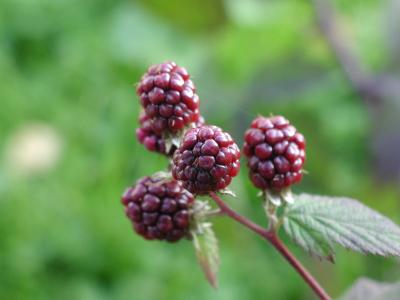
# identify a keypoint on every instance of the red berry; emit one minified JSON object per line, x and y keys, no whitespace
{"x":148,"y":137}
{"x":275,"y":152}
{"x":152,"y":140}
{"x":159,"y":209}
{"x":168,"y":97}
{"x":206,"y":160}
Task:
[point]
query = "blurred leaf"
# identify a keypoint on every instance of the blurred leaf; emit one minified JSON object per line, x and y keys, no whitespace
{"x":197,"y":16}
{"x":159,"y":41}
{"x":206,"y":246}
{"x":367,"y":289}
{"x":316,"y":222}
{"x":244,"y":50}
{"x":393,"y":35}
{"x":250,"y":12}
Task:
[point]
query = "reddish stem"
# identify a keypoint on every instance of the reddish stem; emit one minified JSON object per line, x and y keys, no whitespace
{"x":271,"y":237}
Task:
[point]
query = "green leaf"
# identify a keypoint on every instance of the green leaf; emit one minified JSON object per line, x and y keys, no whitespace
{"x":317,"y":222}
{"x":206,"y":246}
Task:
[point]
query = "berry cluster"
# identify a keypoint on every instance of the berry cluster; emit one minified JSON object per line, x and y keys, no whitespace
{"x":206,"y":160}
{"x":169,"y":98}
{"x":275,"y":152}
{"x":159,"y":209}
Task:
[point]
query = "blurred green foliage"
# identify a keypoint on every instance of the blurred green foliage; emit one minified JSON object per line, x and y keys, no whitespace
{"x":72,"y":65}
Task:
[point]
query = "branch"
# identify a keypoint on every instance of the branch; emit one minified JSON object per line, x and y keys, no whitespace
{"x":274,"y":240}
{"x":371,"y":88}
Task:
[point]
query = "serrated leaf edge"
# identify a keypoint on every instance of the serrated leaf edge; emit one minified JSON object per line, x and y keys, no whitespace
{"x":377,"y":245}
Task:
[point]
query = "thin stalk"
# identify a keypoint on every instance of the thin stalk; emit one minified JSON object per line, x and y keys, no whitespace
{"x":274,"y":240}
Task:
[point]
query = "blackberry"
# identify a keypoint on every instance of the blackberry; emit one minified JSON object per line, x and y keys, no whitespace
{"x":153,"y":141}
{"x":206,"y":160}
{"x":146,"y":136}
{"x":159,"y":209}
{"x":275,"y":152}
{"x":168,"y":97}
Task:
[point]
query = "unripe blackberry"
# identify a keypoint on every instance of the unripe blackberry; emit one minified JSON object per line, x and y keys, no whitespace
{"x":146,"y":136}
{"x":168,"y":97}
{"x":159,"y":209}
{"x":152,"y":140}
{"x":206,"y":160}
{"x":275,"y":152}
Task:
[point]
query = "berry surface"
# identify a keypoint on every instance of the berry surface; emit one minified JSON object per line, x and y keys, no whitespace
{"x":150,"y":139}
{"x":206,"y":160}
{"x":159,"y":209}
{"x":275,"y":152}
{"x":153,"y":141}
{"x":168,"y":97}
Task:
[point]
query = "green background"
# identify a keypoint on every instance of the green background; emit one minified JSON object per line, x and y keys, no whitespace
{"x":71,"y":65}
